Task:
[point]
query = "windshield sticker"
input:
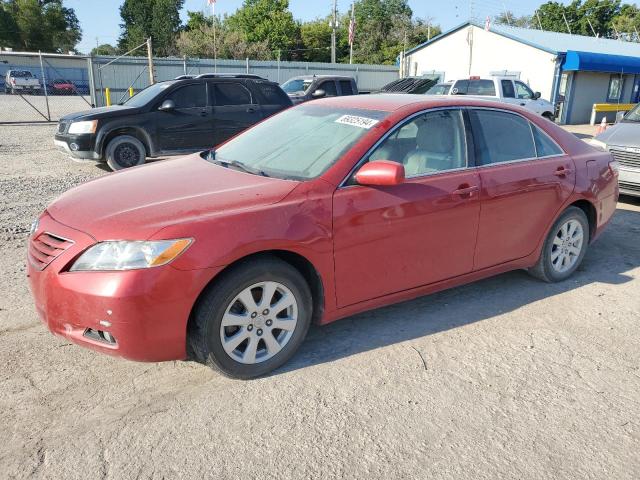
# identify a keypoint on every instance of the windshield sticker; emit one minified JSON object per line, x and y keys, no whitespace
{"x":356,"y":121}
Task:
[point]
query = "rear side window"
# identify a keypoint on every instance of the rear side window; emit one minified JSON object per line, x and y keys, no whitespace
{"x":481,"y":87}
{"x":345,"y":86}
{"x":329,"y":88}
{"x":507,"y":89}
{"x":273,"y":94}
{"x":544,"y":145}
{"x":189,"y":96}
{"x":501,"y":137}
{"x":227,"y":94}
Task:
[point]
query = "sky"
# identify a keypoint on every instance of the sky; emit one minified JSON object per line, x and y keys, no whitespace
{"x":100,"y":19}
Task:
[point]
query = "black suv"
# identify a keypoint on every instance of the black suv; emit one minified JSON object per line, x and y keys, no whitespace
{"x":179,"y":116}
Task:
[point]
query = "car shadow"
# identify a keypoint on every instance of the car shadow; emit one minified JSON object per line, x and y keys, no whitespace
{"x":607,"y":261}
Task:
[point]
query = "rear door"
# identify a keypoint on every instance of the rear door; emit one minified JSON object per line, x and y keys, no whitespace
{"x":234,"y":109}
{"x":188,"y":126}
{"x":526,"y":178}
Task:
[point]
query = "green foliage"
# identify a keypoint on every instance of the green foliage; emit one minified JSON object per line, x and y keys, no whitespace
{"x":45,"y":25}
{"x":508,"y":18}
{"x":584,"y":18}
{"x":104,"y":49}
{"x":267,"y":21}
{"x":158,"y":19}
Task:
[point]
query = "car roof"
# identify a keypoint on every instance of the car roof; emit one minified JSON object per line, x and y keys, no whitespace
{"x":311,"y":77}
{"x":389,"y":102}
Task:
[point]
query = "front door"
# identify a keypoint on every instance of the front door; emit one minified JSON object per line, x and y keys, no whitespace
{"x":389,"y":239}
{"x":526,"y":178}
{"x":234,"y":109}
{"x":188,"y":126}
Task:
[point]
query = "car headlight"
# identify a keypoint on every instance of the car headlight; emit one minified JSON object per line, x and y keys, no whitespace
{"x":83,"y":127}
{"x":600,"y":145}
{"x":130,"y":255}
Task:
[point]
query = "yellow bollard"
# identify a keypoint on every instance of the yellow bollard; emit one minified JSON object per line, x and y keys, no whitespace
{"x":131,"y":91}
{"x":107,"y":96}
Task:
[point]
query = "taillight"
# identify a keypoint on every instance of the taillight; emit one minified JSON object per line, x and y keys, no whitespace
{"x":614,"y":166}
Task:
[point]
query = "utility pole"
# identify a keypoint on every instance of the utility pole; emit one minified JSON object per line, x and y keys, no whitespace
{"x":334,"y":26}
{"x":539,"y":22}
{"x":592,"y":29}
{"x":152,"y":79}
{"x":566,"y":22}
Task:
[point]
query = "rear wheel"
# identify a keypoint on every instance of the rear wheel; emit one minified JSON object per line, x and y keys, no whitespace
{"x":252,"y":320}
{"x":564,"y":247}
{"x":549,"y":116}
{"x":125,"y":151}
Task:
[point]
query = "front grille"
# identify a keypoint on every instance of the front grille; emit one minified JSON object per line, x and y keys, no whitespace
{"x":630,"y":187}
{"x":625,"y":157}
{"x":62,"y":127}
{"x":45,"y":248}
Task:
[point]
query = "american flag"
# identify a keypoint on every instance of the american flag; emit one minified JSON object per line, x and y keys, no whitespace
{"x":211,"y":2}
{"x":352,"y":25}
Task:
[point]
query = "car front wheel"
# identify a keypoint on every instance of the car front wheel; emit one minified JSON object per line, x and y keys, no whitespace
{"x":564,"y":248}
{"x":125,"y":151}
{"x":252,"y":319}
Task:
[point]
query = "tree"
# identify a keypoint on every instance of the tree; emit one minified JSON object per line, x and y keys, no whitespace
{"x":267,"y":21}
{"x":158,"y":19}
{"x":39,"y":25}
{"x":627,"y":22}
{"x":104,"y":49}
{"x":315,"y":37}
{"x":508,"y":18}
{"x":582,"y":18}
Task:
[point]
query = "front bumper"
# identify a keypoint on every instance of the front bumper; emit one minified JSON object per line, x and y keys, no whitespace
{"x":83,"y":146}
{"x":629,"y":181}
{"x":146,"y":311}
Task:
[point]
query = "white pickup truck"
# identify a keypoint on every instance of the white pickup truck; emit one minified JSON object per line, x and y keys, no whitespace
{"x":502,"y":89}
{"x":19,"y":81}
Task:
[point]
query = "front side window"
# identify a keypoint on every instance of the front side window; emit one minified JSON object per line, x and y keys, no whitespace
{"x":296,"y":85}
{"x":189,"y":96}
{"x":329,"y":88}
{"x":299,"y":143}
{"x":430,"y":143}
{"x":227,"y":94}
{"x":615,"y":88}
{"x":500,"y":137}
{"x":507,"y":89}
{"x":523,"y":92}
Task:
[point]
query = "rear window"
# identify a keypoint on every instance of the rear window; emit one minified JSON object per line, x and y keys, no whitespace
{"x":272,"y":94}
{"x":20,"y":74}
{"x":439,"y":89}
{"x":345,"y":86}
{"x":474,"y":87}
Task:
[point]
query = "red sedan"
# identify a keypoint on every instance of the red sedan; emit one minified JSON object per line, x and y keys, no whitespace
{"x":327,"y":209}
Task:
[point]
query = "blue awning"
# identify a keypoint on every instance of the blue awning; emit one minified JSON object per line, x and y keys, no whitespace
{"x":600,"y":62}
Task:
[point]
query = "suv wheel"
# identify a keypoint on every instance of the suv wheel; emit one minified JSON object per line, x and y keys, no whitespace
{"x":125,"y":151}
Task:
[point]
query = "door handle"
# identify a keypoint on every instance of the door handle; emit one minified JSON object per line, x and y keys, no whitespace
{"x":251,"y":110}
{"x":562,"y":171}
{"x":468,"y":190}
{"x":203,"y":113}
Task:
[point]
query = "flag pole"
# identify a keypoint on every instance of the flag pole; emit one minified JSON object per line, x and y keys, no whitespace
{"x":352,"y":32}
{"x":215,"y":46}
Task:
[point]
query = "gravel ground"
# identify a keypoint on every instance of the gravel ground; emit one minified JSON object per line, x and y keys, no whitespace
{"x":504,"y":378}
{"x":33,"y":108}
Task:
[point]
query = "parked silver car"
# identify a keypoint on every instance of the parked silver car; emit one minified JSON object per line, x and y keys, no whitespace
{"x":623,"y":141}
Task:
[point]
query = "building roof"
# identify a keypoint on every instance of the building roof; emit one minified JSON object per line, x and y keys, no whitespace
{"x":552,"y":42}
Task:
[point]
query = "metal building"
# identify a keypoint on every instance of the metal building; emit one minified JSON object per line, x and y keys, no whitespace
{"x":572,"y":71}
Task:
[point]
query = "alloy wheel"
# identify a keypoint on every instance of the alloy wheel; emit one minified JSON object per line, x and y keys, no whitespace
{"x":567,"y":246}
{"x":259,"y":322}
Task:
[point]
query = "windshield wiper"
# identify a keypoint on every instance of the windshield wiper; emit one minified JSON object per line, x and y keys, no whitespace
{"x":239,"y":166}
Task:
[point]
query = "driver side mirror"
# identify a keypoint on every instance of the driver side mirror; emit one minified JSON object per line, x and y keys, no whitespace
{"x":167,"y":106}
{"x":381,"y":173}
{"x":319,"y":93}
{"x":537,"y":95}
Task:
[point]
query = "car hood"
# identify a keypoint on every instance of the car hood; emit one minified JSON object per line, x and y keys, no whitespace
{"x":98,"y":113}
{"x":626,"y":134}
{"x":137,"y":203}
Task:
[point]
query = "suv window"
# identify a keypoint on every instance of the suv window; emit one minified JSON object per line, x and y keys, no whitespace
{"x":507,"y":89}
{"x":545,"y":147}
{"x":345,"y":86}
{"x":329,"y":86}
{"x":523,"y":91}
{"x":273,"y":94}
{"x":228,"y":93}
{"x":189,"y":96}
{"x":501,"y":137}
{"x":481,"y":87}
{"x":431,"y":143}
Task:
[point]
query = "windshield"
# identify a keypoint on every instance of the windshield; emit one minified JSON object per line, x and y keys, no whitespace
{"x":439,"y":89}
{"x":296,"y":85}
{"x":633,"y":115}
{"x":143,"y":97}
{"x":300,"y":143}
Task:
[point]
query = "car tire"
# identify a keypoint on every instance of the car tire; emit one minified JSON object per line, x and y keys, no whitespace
{"x":125,"y":151}
{"x":564,"y":248}
{"x":549,"y":116}
{"x":212,"y":343}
